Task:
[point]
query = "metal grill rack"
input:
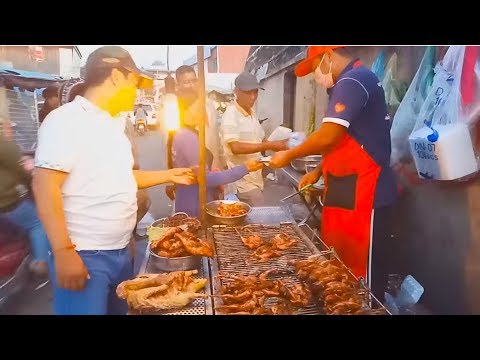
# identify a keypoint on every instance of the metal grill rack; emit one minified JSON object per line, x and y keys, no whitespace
{"x":233,"y":257}
{"x":199,"y":306}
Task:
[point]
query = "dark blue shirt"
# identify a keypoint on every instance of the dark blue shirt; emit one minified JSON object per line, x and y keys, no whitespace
{"x":357,"y":101}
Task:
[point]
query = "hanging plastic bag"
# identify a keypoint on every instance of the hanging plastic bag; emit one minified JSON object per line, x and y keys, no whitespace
{"x":394,"y":89}
{"x":408,"y":110}
{"x":440,"y":143}
{"x":378,"y":67}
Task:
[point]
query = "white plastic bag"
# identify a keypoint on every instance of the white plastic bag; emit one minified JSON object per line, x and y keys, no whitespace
{"x":440,"y":143}
{"x":408,"y":110}
{"x":280,"y":133}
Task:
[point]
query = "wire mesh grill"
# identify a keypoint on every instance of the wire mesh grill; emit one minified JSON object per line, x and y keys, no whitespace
{"x":234,"y":258}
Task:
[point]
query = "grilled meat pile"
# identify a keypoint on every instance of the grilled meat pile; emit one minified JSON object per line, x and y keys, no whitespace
{"x":333,"y":288}
{"x":177,"y":242}
{"x":155,"y":292}
{"x":229,"y":210}
{"x":250,"y":294}
{"x":189,"y":224}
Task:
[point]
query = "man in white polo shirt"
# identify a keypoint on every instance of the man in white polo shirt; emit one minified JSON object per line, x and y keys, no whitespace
{"x":85,"y":186}
{"x":243,"y":138}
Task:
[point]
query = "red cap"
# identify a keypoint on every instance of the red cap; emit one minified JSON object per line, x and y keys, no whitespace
{"x":305,"y":67}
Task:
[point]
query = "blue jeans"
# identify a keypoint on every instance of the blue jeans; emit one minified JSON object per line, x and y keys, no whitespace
{"x":107,"y":269}
{"x":25,"y":216}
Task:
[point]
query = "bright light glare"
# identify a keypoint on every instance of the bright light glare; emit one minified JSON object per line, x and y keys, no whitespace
{"x":172,"y":113}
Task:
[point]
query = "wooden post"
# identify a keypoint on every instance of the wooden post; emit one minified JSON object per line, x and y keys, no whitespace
{"x":201,"y":131}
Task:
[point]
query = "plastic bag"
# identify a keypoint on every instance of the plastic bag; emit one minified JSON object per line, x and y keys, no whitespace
{"x":394,"y":89}
{"x":378,"y":67}
{"x":440,"y":143}
{"x":408,"y":110}
{"x":471,"y":97}
{"x":443,"y":103}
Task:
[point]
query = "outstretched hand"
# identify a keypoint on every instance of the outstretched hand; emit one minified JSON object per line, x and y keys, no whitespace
{"x":183,"y":176}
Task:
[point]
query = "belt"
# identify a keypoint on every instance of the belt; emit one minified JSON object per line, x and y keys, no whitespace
{"x":10,"y":208}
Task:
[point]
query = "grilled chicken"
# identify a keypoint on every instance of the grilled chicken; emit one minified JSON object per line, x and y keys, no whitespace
{"x":194,"y":245}
{"x":282,"y":242}
{"x":252,"y":242}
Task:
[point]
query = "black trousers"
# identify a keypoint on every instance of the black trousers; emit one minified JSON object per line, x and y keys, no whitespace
{"x":382,"y":251}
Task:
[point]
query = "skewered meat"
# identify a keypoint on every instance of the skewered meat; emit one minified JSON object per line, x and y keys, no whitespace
{"x":247,"y":294}
{"x":346,"y":307}
{"x":229,"y":210}
{"x":298,"y":296}
{"x":252,"y":242}
{"x":236,"y":298}
{"x":282,"y":242}
{"x":282,"y":308}
{"x":247,"y":306}
{"x":332,"y":286}
{"x":195,"y":246}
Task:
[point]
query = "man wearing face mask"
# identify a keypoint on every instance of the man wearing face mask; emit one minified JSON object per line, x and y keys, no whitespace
{"x":354,"y":139}
{"x":85,"y":187}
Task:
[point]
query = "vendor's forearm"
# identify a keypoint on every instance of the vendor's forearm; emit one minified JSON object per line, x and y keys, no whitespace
{"x":48,"y":198}
{"x":240,"y":148}
{"x":146,"y":179}
{"x":314,"y":145}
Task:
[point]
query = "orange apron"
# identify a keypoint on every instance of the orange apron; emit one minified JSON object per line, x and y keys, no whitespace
{"x":351,"y":177}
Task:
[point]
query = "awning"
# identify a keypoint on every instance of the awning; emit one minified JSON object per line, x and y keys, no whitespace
{"x":28,"y":80}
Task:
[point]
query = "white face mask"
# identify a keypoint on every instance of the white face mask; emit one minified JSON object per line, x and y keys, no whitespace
{"x":325,"y":80}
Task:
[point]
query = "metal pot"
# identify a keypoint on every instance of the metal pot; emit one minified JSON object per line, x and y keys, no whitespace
{"x":211,"y":210}
{"x":183,"y":263}
{"x":301,"y":163}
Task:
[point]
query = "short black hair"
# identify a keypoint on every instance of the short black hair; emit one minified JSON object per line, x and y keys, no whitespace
{"x":77,"y":89}
{"x":96,"y":76}
{"x":184,"y":69}
{"x":50,"y":92}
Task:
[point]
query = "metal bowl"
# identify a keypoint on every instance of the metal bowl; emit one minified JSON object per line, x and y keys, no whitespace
{"x":161,"y":222}
{"x":183,"y":263}
{"x":300,"y":164}
{"x":211,"y":210}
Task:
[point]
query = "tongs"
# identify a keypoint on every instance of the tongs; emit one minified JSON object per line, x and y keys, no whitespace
{"x":298,"y":192}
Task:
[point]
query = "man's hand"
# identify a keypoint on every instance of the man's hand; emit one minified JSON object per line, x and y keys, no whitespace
{"x":183,"y":176}
{"x":310,"y":178}
{"x":280,"y":159}
{"x":170,"y":191}
{"x":70,"y":270}
{"x":253,"y":165}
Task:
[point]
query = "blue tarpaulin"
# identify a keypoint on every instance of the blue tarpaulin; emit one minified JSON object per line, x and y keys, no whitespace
{"x":29,"y":74}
